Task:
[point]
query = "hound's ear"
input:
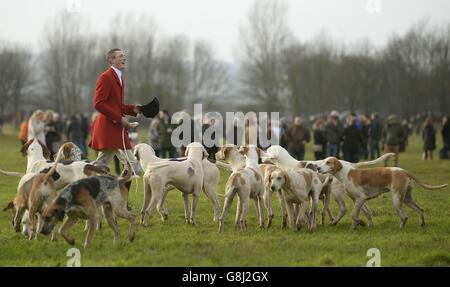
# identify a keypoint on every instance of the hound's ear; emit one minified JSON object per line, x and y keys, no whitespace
{"x":287,"y":181}
{"x":337,"y":165}
{"x":243,"y":150}
{"x":10,"y":205}
{"x":225,"y":151}
{"x":24,"y":148}
{"x":261,"y":153}
{"x":45,"y":151}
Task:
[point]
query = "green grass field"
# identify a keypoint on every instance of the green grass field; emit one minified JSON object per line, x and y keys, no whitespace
{"x":173,"y":243}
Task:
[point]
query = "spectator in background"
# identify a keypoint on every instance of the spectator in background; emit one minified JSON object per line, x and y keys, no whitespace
{"x":352,"y":140}
{"x":51,"y":135}
{"x":320,"y":140}
{"x":153,"y":136}
{"x":23,"y":132}
{"x":84,"y":132}
{"x":374,"y":129}
{"x":75,"y":133}
{"x":169,"y":129}
{"x":392,"y":134}
{"x":36,"y":126}
{"x":284,"y":123}
{"x":211,"y":150}
{"x":59,"y":129}
{"x":364,"y":129}
{"x":429,"y":139}
{"x":164,"y":131}
{"x":445,"y":132}
{"x":297,"y":136}
{"x":333,"y":132}
{"x":404,"y":140}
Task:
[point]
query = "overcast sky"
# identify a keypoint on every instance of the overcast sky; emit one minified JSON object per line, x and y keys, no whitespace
{"x":218,"y":20}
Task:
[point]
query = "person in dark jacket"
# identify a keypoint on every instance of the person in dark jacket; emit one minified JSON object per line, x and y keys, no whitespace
{"x":52,"y":133}
{"x":445,"y":132}
{"x":320,"y":140}
{"x":75,"y":132}
{"x":333,"y":132}
{"x":392,"y":135}
{"x":374,"y":136}
{"x":429,"y":139}
{"x":352,"y":140}
{"x":297,"y":136}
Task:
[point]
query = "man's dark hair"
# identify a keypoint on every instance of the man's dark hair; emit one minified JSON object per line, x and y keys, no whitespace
{"x":111,"y":53}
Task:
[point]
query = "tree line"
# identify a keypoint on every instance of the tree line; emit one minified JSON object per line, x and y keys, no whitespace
{"x":409,"y":75}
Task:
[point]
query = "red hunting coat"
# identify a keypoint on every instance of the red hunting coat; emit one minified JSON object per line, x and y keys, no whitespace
{"x":108,"y":101}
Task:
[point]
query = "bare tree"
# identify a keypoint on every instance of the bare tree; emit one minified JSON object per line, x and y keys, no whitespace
{"x":67,"y":54}
{"x":14,"y":77}
{"x":172,"y":72}
{"x":209,"y":77}
{"x":262,"y":38}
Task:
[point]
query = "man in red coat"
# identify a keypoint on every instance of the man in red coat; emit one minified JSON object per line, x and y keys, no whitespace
{"x":111,"y":122}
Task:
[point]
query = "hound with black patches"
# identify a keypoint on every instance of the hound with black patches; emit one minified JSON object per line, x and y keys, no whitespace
{"x":145,"y":154}
{"x":365,"y":184}
{"x":63,"y":172}
{"x":246,"y":182}
{"x":186,"y":176}
{"x":83,"y":199}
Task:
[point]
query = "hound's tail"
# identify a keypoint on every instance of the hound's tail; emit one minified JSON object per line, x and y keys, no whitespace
{"x":424,"y":185}
{"x":11,"y":173}
{"x":129,"y":174}
{"x":59,"y":156}
{"x":375,"y":161}
{"x":223,"y":165}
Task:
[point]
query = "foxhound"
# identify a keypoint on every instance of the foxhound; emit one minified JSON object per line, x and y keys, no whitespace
{"x":186,"y":176}
{"x":64,"y":173}
{"x":365,"y":184}
{"x":298,"y":186}
{"x":145,"y":154}
{"x":34,"y":192}
{"x":83,"y":199}
{"x":246,"y":182}
{"x":279,"y":156}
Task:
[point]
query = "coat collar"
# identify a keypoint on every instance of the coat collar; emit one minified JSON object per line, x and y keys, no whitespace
{"x":111,"y":70}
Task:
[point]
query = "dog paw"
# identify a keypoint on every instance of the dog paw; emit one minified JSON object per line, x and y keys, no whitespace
{"x":132,"y":236}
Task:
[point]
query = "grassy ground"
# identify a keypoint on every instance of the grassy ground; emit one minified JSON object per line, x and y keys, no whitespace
{"x":173,"y":243}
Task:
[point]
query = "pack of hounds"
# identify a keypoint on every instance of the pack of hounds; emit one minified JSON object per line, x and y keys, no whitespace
{"x":70,"y":189}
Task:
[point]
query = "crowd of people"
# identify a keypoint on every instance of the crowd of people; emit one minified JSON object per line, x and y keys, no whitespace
{"x":52,"y":130}
{"x":351,"y":138}
{"x":361,"y":137}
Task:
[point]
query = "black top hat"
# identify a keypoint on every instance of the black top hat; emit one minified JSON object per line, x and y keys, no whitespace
{"x":151,"y":109}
